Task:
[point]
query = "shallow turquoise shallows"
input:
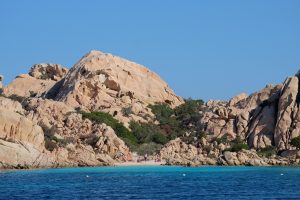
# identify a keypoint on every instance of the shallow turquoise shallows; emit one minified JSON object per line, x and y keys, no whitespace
{"x":152,"y":183}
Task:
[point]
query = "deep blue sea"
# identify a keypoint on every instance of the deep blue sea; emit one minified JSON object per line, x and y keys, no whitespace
{"x":152,"y":183}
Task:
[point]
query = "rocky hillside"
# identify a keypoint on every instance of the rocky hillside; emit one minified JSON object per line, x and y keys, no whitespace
{"x":269,"y":117}
{"x":265,"y":122}
{"x":104,"y":108}
{"x":48,"y":115}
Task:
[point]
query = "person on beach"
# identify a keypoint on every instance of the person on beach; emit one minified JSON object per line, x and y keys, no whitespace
{"x":145,"y":157}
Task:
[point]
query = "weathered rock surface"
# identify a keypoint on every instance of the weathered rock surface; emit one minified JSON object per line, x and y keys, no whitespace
{"x":176,"y":152}
{"x":21,"y":140}
{"x":22,"y":155}
{"x":101,"y":81}
{"x":266,"y":118}
{"x":41,"y":78}
{"x":81,"y":135}
{"x":77,"y":142}
{"x":43,"y":71}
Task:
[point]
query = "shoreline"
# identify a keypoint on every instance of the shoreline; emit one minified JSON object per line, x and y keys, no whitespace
{"x":148,"y":164}
{"x":142,"y":163}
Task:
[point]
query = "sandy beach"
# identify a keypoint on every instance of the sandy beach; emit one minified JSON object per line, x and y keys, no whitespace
{"x":142,"y":163}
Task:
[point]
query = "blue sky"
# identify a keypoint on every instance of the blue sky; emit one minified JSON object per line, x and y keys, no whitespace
{"x":202,"y":49}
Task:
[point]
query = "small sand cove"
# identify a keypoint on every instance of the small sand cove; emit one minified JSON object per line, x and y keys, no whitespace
{"x":142,"y":163}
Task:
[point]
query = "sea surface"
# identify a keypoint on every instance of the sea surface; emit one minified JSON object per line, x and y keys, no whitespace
{"x":152,"y":183}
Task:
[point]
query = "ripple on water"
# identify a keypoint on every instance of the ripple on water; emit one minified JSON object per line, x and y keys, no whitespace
{"x":152,"y":183}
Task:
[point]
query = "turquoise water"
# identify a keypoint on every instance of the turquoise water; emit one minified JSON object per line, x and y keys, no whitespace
{"x":152,"y":183}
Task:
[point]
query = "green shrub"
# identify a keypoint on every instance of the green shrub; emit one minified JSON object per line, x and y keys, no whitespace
{"x":160,"y":138}
{"x":146,"y":133}
{"x":119,"y":128}
{"x":162,"y":112}
{"x":222,"y":140}
{"x":148,"y":148}
{"x":268,"y":151}
{"x":238,"y":147}
{"x":189,"y":111}
{"x":296,"y":142}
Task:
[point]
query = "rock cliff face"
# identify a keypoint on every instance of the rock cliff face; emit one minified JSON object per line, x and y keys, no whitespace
{"x":266,"y":118}
{"x":21,"y":140}
{"x":101,"y":81}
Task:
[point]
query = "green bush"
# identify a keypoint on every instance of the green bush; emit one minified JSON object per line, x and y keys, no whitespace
{"x":296,"y":142}
{"x":119,"y":128}
{"x":221,"y":140}
{"x":148,"y":148}
{"x":167,"y":120}
{"x":189,"y":111}
{"x":146,"y":133}
{"x":162,"y":112}
{"x":268,"y":151}
{"x":160,"y":138}
{"x":238,"y":147}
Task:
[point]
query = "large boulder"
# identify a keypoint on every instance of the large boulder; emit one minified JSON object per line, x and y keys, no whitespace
{"x":22,"y":155}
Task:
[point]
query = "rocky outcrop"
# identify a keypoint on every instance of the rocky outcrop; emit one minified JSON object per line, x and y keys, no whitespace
{"x":101,"y":81}
{"x":79,"y":135}
{"x":176,"y":152}
{"x":14,"y":126}
{"x":20,"y":155}
{"x":244,"y":157}
{"x":73,"y":141}
{"x":41,"y":78}
{"x":21,"y":140}
{"x":287,"y":117}
{"x":265,"y":118}
{"x":47,"y":119}
{"x":53,"y":72}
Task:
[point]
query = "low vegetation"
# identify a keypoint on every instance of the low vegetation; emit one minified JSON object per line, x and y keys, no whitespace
{"x":296,"y":142}
{"x":268,"y":152}
{"x":52,"y":142}
{"x":237,"y":145}
{"x":121,"y":131}
{"x":148,"y":138}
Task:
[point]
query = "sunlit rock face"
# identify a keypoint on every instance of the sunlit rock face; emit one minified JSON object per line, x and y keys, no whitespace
{"x":101,"y":81}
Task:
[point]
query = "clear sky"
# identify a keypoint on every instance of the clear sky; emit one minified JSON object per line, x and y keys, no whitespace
{"x":203,"y":49}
